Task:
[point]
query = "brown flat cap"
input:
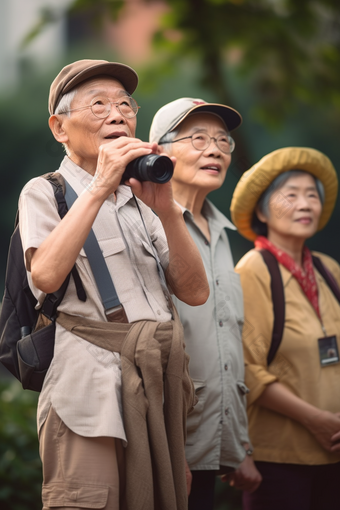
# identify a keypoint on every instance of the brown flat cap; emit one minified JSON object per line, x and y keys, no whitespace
{"x":81,"y":70}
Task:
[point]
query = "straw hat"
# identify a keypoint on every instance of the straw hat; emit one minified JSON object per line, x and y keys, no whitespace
{"x":257,"y":179}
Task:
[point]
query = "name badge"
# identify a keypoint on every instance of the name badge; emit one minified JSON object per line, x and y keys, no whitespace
{"x":328,"y":350}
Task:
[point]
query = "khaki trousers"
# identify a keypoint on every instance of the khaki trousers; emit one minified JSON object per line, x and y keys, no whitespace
{"x":78,"y":472}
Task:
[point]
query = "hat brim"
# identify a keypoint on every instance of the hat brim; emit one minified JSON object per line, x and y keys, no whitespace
{"x":125,"y":74}
{"x":257,"y":179}
{"x":230,"y":117}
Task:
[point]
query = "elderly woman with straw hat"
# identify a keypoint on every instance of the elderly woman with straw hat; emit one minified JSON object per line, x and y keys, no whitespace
{"x":292,"y":330}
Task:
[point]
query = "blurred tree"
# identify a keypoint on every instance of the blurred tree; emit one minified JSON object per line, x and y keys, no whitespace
{"x":289,"y":50}
{"x":20,"y":467}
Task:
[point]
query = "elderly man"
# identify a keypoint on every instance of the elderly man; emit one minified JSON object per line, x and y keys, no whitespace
{"x":197,"y":134}
{"x":85,"y":412}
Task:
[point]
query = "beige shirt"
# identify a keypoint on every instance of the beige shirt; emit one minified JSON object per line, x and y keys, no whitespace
{"x":218,"y":426}
{"x":275,"y":437}
{"x":83,"y":382}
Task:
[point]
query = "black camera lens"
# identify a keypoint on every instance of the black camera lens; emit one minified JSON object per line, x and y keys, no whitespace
{"x":152,"y":168}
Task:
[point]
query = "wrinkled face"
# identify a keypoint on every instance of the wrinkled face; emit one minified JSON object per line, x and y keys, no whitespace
{"x":203,"y":169}
{"x":85,"y":132}
{"x":294,"y":209}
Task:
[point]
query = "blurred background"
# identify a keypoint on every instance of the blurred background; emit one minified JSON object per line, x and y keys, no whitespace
{"x":276,"y":61}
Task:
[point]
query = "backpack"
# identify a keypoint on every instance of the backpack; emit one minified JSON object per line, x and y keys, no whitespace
{"x":278,"y":296}
{"x":26,"y":334}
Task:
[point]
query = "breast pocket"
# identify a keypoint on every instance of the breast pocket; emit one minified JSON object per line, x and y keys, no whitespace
{"x":108,"y":247}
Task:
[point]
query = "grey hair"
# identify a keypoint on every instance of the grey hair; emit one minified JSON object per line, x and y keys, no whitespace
{"x":258,"y":226}
{"x":64,"y":106}
{"x":167,"y":139}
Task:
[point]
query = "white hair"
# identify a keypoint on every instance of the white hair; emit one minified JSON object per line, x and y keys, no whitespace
{"x":64,"y":108}
{"x":167,"y":139}
{"x":64,"y":105}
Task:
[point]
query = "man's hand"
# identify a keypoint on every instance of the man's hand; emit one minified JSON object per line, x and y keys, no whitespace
{"x":246,"y":477}
{"x":156,"y":196}
{"x":112,"y":160}
{"x":188,"y":477}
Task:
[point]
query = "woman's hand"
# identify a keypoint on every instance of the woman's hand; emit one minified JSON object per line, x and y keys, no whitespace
{"x":335,"y":448}
{"x":325,"y":427}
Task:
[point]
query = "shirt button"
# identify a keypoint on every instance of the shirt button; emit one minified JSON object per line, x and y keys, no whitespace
{"x":159,"y":312}
{"x":226,"y":367}
{"x":206,"y":242}
{"x":217,"y":282}
{"x":221,"y":323}
{"x":226,"y":411}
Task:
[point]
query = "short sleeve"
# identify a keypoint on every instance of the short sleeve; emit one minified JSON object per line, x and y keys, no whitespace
{"x":258,"y":323}
{"x":38,"y":216}
{"x":38,"y":213}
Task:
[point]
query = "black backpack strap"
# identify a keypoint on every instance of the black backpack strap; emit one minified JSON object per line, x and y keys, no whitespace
{"x":278,"y":299}
{"x":52,"y":301}
{"x":327,"y":275}
{"x":58,"y":184}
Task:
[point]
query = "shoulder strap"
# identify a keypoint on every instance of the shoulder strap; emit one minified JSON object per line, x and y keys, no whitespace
{"x":278,"y":299}
{"x":97,"y":262}
{"x":52,"y":301}
{"x":327,"y":275}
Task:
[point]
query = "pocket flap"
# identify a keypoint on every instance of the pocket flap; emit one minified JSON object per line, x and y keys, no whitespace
{"x":148,"y":248}
{"x":242,"y":387}
{"x":77,"y":496}
{"x":108,"y":246}
{"x":198,"y":385}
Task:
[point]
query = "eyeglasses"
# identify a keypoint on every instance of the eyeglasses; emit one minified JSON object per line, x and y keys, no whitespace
{"x":101,"y":107}
{"x":201,"y":142}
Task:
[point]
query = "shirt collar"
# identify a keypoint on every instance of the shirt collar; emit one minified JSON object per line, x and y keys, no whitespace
{"x":211,"y":213}
{"x":73,"y":171}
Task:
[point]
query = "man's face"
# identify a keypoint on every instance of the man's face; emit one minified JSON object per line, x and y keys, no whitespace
{"x":86,"y":132}
{"x":203,"y":169}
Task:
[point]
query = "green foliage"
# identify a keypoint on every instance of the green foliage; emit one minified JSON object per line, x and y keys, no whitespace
{"x":20,"y":467}
{"x":289,"y":50}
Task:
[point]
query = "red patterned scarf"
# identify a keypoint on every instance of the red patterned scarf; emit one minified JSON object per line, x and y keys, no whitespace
{"x":305,"y":275}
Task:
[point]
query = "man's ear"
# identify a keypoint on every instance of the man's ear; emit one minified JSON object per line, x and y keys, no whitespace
{"x":260,"y":215}
{"x":57,"y":127}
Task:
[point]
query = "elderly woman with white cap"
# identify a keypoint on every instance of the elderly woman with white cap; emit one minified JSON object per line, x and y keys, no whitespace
{"x":291,"y":342}
{"x":196,"y":133}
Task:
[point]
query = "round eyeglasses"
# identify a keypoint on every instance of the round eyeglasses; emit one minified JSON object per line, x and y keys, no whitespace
{"x":101,"y":107}
{"x":201,"y":142}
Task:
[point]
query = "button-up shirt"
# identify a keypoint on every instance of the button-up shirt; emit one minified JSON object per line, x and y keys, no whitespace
{"x":296,"y":365}
{"x":83,"y":382}
{"x":217,"y":428}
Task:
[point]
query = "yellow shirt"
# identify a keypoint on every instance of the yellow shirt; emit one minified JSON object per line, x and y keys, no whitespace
{"x":275,"y":437}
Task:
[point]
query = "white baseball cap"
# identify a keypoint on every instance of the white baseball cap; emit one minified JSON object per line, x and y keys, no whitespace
{"x":172,"y":114}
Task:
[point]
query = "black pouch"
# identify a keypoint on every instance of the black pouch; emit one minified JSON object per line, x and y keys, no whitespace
{"x":35,"y":353}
